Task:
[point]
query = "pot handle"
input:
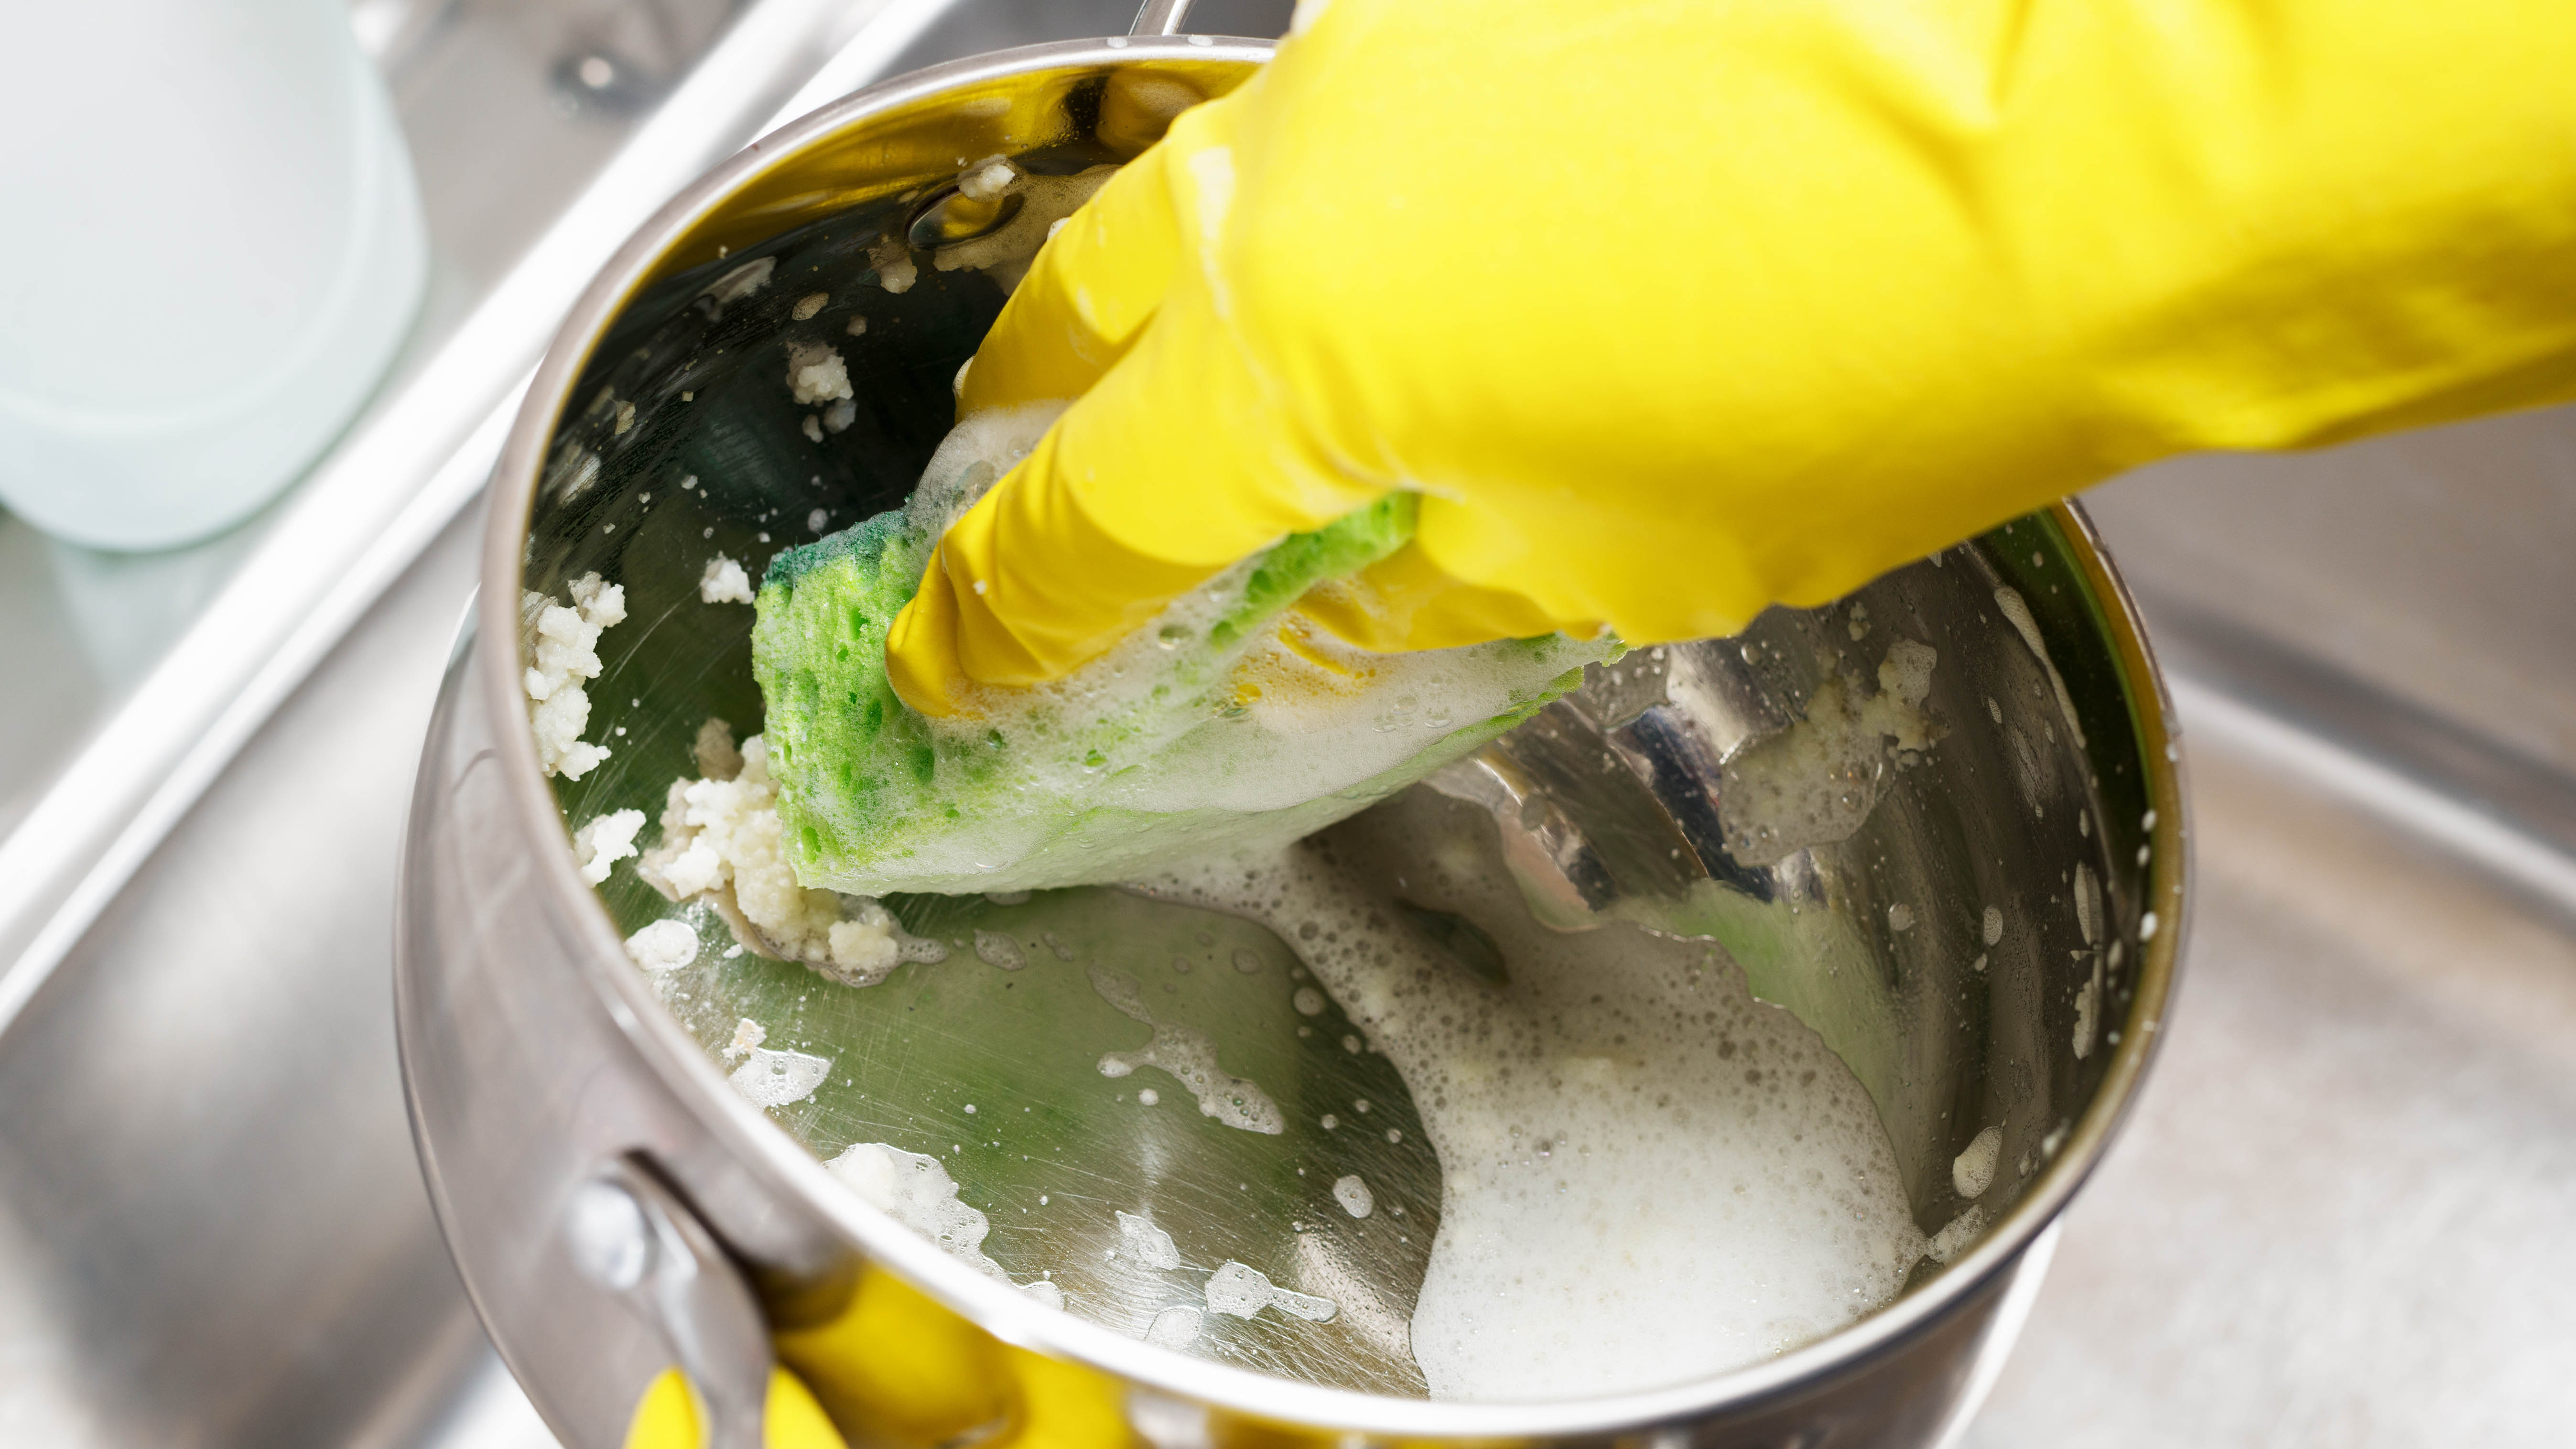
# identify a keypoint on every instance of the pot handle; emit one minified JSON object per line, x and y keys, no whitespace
{"x":1161,"y":17}
{"x":632,"y":1235}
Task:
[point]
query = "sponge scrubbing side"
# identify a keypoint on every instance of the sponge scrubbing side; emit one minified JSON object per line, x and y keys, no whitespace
{"x":1226,"y":722}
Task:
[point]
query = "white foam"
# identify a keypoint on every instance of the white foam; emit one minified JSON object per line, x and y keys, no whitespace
{"x":1244,"y":1291}
{"x":779,"y":1078}
{"x":1146,"y":1243}
{"x":1647,"y":1176}
{"x":1174,"y":1327}
{"x":1973,"y":1170}
{"x":1816,"y":782}
{"x":996,"y":949}
{"x":1354,"y":1195}
{"x":916,"y":1191}
{"x":1189,"y":1058}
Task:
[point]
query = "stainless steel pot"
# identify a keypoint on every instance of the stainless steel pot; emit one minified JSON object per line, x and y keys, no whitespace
{"x":615,"y":1207}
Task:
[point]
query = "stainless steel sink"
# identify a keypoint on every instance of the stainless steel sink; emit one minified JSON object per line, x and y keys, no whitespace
{"x":2338,"y":1218}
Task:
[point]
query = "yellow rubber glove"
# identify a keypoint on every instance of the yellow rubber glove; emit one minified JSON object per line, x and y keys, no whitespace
{"x":1672,"y":309}
{"x":901,"y":1370}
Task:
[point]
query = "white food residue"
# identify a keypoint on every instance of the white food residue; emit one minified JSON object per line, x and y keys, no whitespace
{"x":893,"y":261}
{"x":747,"y":1034}
{"x":724,"y":582}
{"x":815,"y":373}
{"x":663,"y":946}
{"x":1190,"y":1059}
{"x":986,"y":179}
{"x":722,"y":843}
{"x":561,"y":646}
{"x":606,"y":840}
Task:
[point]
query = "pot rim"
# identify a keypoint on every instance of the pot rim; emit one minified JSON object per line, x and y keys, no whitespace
{"x":1003,"y":1311}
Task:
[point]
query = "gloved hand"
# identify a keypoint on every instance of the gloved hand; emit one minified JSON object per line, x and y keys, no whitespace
{"x":1671,"y":310}
{"x":912,"y":1373}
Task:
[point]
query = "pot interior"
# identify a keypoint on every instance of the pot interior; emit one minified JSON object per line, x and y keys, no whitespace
{"x":1956,"y":910}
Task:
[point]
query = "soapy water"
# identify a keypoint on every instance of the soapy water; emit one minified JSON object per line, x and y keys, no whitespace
{"x":1647,"y":1175}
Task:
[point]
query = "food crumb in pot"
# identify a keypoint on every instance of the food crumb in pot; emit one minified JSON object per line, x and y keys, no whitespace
{"x":896,"y":270}
{"x":724,"y":582}
{"x":856,"y":327}
{"x":809,"y":304}
{"x":721,"y":844}
{"x":747,"y":1034}
{"x":813,"y":428}
{"x":815,"y":373}
{"x":561,"y":647}
{"x":986,"y":179}
{"x":663,"y":946}
{"x":838,"y":417}
{"x":606,"y":840}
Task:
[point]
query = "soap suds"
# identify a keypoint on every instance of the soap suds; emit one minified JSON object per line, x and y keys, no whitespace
{"x":995,"y":949}
{"x":1647,"y":1175}
{"x":1174,"y":1327}
{"x":1189,"y":1058}
{"x":1146,"y":1243}
{"x":1956,"y":1238}
{"x":916,"y":1191}
{"x":1973,"y":1170}
{"x":720,"y":844}
{"x":2017,"y":611}
{"x":561,"y":647}
{"x":779,"y":1078}
{"x":1354,"y":1195}
{"x":1817,"y":781}
{"x":1244,"y":1292}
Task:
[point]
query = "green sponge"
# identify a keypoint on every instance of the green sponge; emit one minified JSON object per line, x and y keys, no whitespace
{"x":1220,"y":725}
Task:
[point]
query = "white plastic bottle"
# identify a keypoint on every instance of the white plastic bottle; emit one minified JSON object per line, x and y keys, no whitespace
{"x":213,"y":249}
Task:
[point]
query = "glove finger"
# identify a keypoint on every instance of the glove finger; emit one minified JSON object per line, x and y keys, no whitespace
{"x":1173,"y":466}
{"x":1405,"y":602}
{"x":666,"y":1417}
{"x":1096,"y":283}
